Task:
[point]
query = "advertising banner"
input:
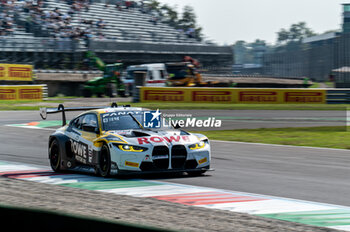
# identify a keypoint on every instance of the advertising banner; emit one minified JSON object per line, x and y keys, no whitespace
{"x":22,"y":92}
{"x":281,"y":96}
{"x":161,"y":94}
{"x":16,"y":72}
{"x":233,"y":95}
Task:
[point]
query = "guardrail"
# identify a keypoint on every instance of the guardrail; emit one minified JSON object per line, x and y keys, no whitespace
{"x":338,"y":96}
{"x":39,"y":44}
{"x":109,"y":45}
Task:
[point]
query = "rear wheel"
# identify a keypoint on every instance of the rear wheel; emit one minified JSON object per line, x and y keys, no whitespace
{"x":55,"y":156}
{"x":104,"y":168}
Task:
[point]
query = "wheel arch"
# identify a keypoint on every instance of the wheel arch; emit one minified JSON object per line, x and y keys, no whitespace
{"x":62,"y":141}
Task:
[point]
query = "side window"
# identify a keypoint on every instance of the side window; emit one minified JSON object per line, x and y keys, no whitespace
{"x":76,"y":123}
{"x":150,"y":74}
{"x":89,"y":119}
{"x":162,"y":76}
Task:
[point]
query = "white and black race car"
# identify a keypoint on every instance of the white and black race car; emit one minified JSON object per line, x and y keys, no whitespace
{"x":114,"y":141}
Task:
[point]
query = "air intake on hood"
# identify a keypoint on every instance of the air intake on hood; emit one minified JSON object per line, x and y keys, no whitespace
{"x":136,"y":134}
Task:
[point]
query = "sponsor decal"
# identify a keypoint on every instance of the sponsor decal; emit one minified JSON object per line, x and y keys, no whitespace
{"x":120,"y":113}
{"x":309,"y":97}
{"x":158,"y":139}
{"x":164,"y":95}
{"x":80,"y":150}
{"x":131,"y":164}
{"x":202,"y":161}
{"x":212,"y":96}
{"x":257,"y":96}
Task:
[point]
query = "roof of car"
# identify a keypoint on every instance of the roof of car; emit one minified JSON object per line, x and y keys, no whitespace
{"x":118,"y":109}
{"x":115,"y":109}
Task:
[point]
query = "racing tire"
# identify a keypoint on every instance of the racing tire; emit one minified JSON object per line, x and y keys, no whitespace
{"x":55,"y":156}
{"x":104,"y":168}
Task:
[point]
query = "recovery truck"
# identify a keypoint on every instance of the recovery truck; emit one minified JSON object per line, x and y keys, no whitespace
{"x":185,"y":74}
{"x":108,"y":83}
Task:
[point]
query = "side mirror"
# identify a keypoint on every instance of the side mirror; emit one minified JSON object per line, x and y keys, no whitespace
{"x":90,"y":128}
{"x":177,"y":126}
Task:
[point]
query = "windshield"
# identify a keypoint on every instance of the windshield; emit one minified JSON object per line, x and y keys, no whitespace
{"x":116,"y":121}
{"x":130,"y":73}
{"x":124,"y":121}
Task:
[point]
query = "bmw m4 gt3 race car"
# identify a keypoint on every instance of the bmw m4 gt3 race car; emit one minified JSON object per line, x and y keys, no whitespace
{"x":114,"y":141}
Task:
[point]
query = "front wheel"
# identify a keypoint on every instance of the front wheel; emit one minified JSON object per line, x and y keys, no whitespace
{"x":55,"y":156}
{"x":104,"y":168}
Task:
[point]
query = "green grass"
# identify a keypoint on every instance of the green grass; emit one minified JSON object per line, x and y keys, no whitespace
{"x":23,"y":105}
{"x":328,"y":137}
{"x":330,"y":84}
{"x":315,"y":85}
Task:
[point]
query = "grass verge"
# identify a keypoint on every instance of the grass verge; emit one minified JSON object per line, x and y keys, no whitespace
{"x":24,"y":105}
{"x":328,"y":137}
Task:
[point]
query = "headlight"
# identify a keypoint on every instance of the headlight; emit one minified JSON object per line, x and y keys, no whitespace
{"x":125,"y":147}
{"x":196,"y":146}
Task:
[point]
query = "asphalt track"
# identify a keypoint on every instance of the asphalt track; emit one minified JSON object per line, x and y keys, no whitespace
{"x":313,"y":174}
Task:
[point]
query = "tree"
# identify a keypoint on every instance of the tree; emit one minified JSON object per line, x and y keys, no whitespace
{"x":154,"y":5}
{"x":171,"y":15}
{"x":188,"y":21}
{"x":295,"y":33}
{"x":188,"y":17}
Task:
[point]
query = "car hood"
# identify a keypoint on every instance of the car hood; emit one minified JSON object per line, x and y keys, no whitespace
{"x":154,"y":137}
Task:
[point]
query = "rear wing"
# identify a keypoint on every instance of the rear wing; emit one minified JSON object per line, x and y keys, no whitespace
{"x":45,"y":111}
